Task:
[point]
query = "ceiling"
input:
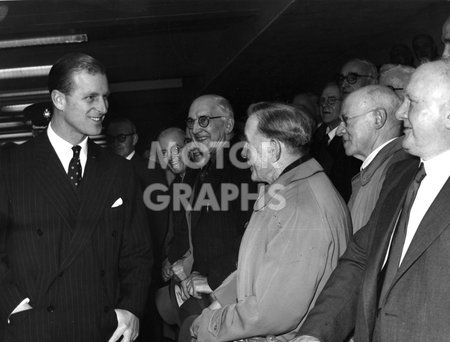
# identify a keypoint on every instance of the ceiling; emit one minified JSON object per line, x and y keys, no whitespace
{"x":162,"y":54}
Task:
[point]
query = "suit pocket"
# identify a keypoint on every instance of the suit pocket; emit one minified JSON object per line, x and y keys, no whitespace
{"x":18,"y":328}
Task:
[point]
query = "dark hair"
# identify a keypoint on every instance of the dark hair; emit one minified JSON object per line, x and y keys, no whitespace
{"x":123,"y":121}
{"x":60,"y":76}
{"x":286,"y":123}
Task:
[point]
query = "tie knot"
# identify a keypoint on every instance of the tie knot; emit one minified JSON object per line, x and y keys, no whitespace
{"x":76,"y":150}
{"x":420,"y":175}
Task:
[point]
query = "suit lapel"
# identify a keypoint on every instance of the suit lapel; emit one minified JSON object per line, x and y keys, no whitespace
{"x":432,"y":225}
{"x":51,"y":178}
{"x":93,"y":193}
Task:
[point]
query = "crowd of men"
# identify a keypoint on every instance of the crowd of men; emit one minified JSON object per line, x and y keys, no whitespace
{"x":328,"y":222}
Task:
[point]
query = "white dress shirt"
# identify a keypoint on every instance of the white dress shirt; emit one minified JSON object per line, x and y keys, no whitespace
{"x":64,"y":149}
{"x":437,"y":172}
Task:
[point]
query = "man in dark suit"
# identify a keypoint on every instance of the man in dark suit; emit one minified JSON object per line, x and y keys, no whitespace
{"x":75,"y":256}
{"x":327,"y":147}
{"x":392,"y":282}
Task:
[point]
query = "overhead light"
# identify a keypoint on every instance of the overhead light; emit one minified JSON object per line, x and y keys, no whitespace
{"x":24,"y":93}
{"x":52,"y":40}
{"x":15,"y":108}
{"x":25,"y":72}
{"x":16,"y":135}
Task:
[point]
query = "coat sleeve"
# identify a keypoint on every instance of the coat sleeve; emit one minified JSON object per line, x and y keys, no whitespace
{"x":135,"y":259}
{"x":299,"y":252}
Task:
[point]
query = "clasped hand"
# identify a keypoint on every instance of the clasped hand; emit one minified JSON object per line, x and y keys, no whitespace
{"x":194,"y":285}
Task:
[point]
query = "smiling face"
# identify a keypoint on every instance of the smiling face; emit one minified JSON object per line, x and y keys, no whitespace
{"x":80,"y":113}
{"x":330,"y":104}
{"x":217,"y":130}
{"x":424,"y":112}
{"x":171,"y":148}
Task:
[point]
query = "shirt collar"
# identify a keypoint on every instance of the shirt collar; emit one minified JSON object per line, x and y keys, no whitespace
{"x":62,"y":146}
{"x":373,"y":154}
{"x":438,"y":165}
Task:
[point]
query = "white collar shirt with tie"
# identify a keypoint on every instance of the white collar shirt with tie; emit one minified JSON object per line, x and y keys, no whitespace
{"x":437,"y":172}
{"x":64,"y":149}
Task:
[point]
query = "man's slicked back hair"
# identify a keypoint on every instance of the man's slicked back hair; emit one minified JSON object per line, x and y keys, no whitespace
{"x":61,"y":73}
{"x":283,"y":122}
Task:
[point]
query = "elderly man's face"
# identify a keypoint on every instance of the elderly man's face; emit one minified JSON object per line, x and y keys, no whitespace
{"x":423,"y":112}
{"x":121,"y":138}
{"x":171,"y":147}
{"x":215,"y":133}
{"x":357,"y":127}
{"x":354,"y":75}
{"x":446,"y":38}
{"x":257,"y":152}
{"x":330,"y":104}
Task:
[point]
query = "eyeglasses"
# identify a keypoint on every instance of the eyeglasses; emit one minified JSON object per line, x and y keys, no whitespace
{"x":330,"y":101}
{"x":175,"y":150}
{"x":351,"y":77}
{"x":345,"y":119}
{"x":119,"y":137}
{"x":203,"y":121}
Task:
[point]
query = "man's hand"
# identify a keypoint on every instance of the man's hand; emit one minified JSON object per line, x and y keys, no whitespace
{"x":128,"y":326}
{"x":305,"y":338}
{"x":195,"y":284}
{"x":178,"y":270}
{"x":166,"y":271}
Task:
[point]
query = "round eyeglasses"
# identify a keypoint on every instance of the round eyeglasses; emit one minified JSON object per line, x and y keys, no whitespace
{"x":330,"y":100}
{"x":351,"y":77}
{"x":175,"y":150}
{"x":203,"y":121}
{"x":346,"y":119}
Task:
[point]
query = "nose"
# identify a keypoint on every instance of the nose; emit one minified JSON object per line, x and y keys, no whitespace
{"x":402,"y":111}
{"x":446,"y":53}
{"x":340,"y":129}
{"x":102,"y":106}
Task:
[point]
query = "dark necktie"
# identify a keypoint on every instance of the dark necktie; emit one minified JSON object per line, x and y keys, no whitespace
{"x":398,"y":240}
{"x":74,"y":172}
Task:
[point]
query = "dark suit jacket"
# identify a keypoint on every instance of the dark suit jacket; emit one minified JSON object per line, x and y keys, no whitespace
{"x":217,"y":232}
{"x":70,"y":251}
{"x":417,"y":305}
{"x":339,"y":167}
{"x":158,"y":219}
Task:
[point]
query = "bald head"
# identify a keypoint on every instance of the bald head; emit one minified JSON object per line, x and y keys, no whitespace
{"x":369,"y":120}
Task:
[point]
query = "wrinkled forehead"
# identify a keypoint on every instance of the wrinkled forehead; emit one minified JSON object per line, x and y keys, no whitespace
{"x":354,"y":67}
{"x":204,"y":106}
{"x":171,"y":140}
{"x":430,"y":81}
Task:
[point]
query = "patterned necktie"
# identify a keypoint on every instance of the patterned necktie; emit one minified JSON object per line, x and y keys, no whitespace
{"x":398,"y":240}
{"x":74,"y":172}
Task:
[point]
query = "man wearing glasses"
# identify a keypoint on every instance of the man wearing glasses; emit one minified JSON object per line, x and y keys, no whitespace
{"x":217,"y":221}
{"x":327,"y":147}
{"x":355,"y":74}
{"x":370,"y":133}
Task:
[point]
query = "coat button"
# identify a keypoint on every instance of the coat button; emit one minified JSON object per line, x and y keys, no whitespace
{"x":50,"y":308}
{"x":60,"y":274}
{"x":114,"y":233}
{"x":39,"y":232}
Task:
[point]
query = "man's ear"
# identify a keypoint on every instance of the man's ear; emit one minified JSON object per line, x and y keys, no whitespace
{"x":275,"y":147}
{"x":380,"y":117}
{"x":58,"y":99}
{"x":229,"y":125}
{"x":135,"y":139}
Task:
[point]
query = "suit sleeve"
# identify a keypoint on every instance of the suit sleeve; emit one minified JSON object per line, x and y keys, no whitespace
{"x":135,"y":260}
{"x":333,"y":316}
{"x":10,"y":294}
{"x":293,"y":266}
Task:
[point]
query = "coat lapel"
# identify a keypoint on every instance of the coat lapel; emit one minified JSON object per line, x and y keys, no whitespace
{"x":432,"y":225}
{"x":93,"y":193}
{"x":51,"y":178}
